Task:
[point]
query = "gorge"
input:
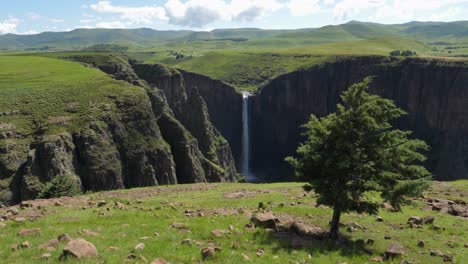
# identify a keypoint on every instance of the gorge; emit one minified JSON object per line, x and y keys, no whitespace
{"x":189,"y":128}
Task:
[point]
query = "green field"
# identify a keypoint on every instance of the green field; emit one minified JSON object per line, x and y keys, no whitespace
{"x":202,"y":208}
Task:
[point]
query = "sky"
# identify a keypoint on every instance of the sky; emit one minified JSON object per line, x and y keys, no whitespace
{"x":34,"y":16}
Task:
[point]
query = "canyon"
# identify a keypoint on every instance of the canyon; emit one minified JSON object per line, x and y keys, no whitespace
{"x":189,"y":128}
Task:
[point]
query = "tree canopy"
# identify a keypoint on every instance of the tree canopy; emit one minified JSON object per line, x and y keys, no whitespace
{"x":355,"y":151}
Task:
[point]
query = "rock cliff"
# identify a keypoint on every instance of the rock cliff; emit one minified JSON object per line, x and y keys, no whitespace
{"x":433,"y":92}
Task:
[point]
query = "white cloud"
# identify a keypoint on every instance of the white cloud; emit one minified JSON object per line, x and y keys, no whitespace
{"x":9,"y":25}
{"x":304,"y":7}
{"x":416,"y":9}
{"x":345,"y":9}
{"x":34,"y":15}
{"x":131,"y":15}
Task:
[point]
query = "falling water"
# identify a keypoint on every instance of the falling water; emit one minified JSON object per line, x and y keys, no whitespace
{"x":246,"y":137}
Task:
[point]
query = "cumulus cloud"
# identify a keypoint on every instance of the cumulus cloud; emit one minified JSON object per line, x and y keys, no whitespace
{"x":402,"y":10}
{"x":131,"y":15}
{"x":9,"y":25}
{"x":345,"y":9}
{"x":110,"y":24}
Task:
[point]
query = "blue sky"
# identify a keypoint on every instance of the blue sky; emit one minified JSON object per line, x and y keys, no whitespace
{"x":34,"y":16}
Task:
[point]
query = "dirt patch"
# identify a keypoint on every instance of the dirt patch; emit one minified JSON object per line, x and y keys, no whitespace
{"x":240,"y":194}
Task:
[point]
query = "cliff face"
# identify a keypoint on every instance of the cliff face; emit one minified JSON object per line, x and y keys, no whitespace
{"x":434,"y":93}
{"x":161,"y":135}
{"x":224,"y":106}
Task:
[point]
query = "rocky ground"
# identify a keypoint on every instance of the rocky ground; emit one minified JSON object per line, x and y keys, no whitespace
{"x":231,"y":223}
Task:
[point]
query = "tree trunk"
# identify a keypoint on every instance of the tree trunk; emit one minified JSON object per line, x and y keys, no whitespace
{"x":335,"y":224}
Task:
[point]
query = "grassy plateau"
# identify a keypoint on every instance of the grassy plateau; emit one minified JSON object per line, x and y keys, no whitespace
{"x":176,"y":222}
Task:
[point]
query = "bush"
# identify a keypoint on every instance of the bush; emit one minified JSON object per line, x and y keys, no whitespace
{"x":60,"y":186}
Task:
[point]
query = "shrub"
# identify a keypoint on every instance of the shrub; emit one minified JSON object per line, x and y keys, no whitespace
{"x":59,"y":186}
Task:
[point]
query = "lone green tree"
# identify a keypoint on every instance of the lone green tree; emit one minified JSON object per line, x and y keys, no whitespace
{"x":353,"y":154}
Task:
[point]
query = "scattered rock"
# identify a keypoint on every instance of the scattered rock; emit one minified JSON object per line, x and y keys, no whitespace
{"x":58,"y":203}
{"x":180,"y":226}
{"x":64,"y":238}
{"x":451,"y":244}
{"x":377,"y":259}
{"x":119,"y":205}
{"x":20,"y":219}
{"x":266,"y":220}
{"x":139,"y":247}
{"x":25,"y":244}
{"x":303,"y":229}
{"x":159,"y":261}
{"x":101,"y":203}
{"x":144,"y":238}
{"x":387,"y":237}
{"x":249,"y":226}
{"x":260,"y":252}
{"x":14,"y":247}
{"x":29,"y":232}
{"x":25,"y":204}
{"x":79,"y":248}
{"x":218,"y":232}
{"x":370,"y":241}
{"x":112,"y":248}
{"x":209,"y":252}
{"x":421,"y":243}
{"x":379,"y":219}
{"x":131,"y":256}
{"x":436,"y":253}
{"x":447,"y":258}
{"x":428,"y":219}
{"x":414,"y":220}
{"x":49,"y":245}
{"x":46,"y":256}
{"x":246,"y":257}
{"x":394,"y":250}
{"x":456,"y":210}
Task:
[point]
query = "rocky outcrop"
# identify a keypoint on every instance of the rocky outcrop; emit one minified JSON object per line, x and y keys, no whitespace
{"x":433,"y":92}
{"x":189,"y":108}
{"x":224,"y":105}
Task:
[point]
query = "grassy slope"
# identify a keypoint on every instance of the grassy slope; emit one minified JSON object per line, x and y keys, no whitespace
{"x":42,"y":89}
{"x":250,"y":69}
{"x":152,"y":210}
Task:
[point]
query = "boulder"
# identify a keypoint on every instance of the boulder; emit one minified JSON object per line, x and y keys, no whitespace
{"x":394,"y":250}
{"x":139,"y":247}
{"x":209,"y":252}
{"x":264,"y":219}
{"x":415,"y":220}
{"x":421,"y":243}
{"x":456,"y":210}
{"x":428,"y":219}
{"x":303,"y":229}
{"x":79,"y":248}
{"x":436,"y":253}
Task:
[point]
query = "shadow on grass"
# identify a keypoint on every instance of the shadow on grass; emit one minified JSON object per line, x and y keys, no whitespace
{"x":314,"y":245}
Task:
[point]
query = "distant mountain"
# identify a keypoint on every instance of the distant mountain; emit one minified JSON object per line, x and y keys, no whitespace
{"x":145,"y":37}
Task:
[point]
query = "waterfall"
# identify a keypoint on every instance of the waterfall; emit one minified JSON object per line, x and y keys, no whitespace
{"x":245,"y":160}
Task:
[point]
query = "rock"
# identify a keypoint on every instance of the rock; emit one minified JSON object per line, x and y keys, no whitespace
{"x":436,"y":253}
{"x":231,"y":227}
{"x":13,"y":211}
{"x":159,"y":261}
{"x":260,"y":252}
{"x":112,"y":248}
{"x":447,"y":258}
{"x":46,"y":256}
{"x":387,"y":237}
{"x":428,"y":219}
{"x":180,"y":226}
{"x":79,"y":248}
{"x":394,"y":250}
{"x":466,"y":245}
{"x":249,"y":226}
{"x":101,"y":203}
{"x":266,"y":220}
{"x":218,"y":232}
{"x":29,"y":232}
{"x":14,"y":247}
{"x":25,"y":204}
{"x":377,"y":259}
{"x":456,"y":210}
{"x":303,"y":229}
{"x":119,"y":205}
{"x":370,"y":241}
{"x":49,"y":245}
{"x":451,"y":244}
{"x":246,"y":257}
{"x":132,"y":256}
{"x":20,"y":219}
{"x":421,"y":243}
{"x":25,"y":244}
{"x":144,"y":238}
{"x":209,"y":252}
{"x":415,"y":220}
{"x":139,"y":247}
{"x":350,"y":229}
{"x":64,"y":238}
{"x":58,"y":203}
{"x":379,"y":219}
{"x":186,"y":241}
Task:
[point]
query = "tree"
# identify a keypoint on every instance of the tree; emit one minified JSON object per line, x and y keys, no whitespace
{"x":353,"y":154}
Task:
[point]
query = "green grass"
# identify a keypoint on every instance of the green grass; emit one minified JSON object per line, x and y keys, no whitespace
{"x":45,"y":89}
{"x":152,"y":210}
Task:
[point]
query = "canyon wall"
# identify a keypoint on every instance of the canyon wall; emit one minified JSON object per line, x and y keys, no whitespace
{"x":433,"y":92}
